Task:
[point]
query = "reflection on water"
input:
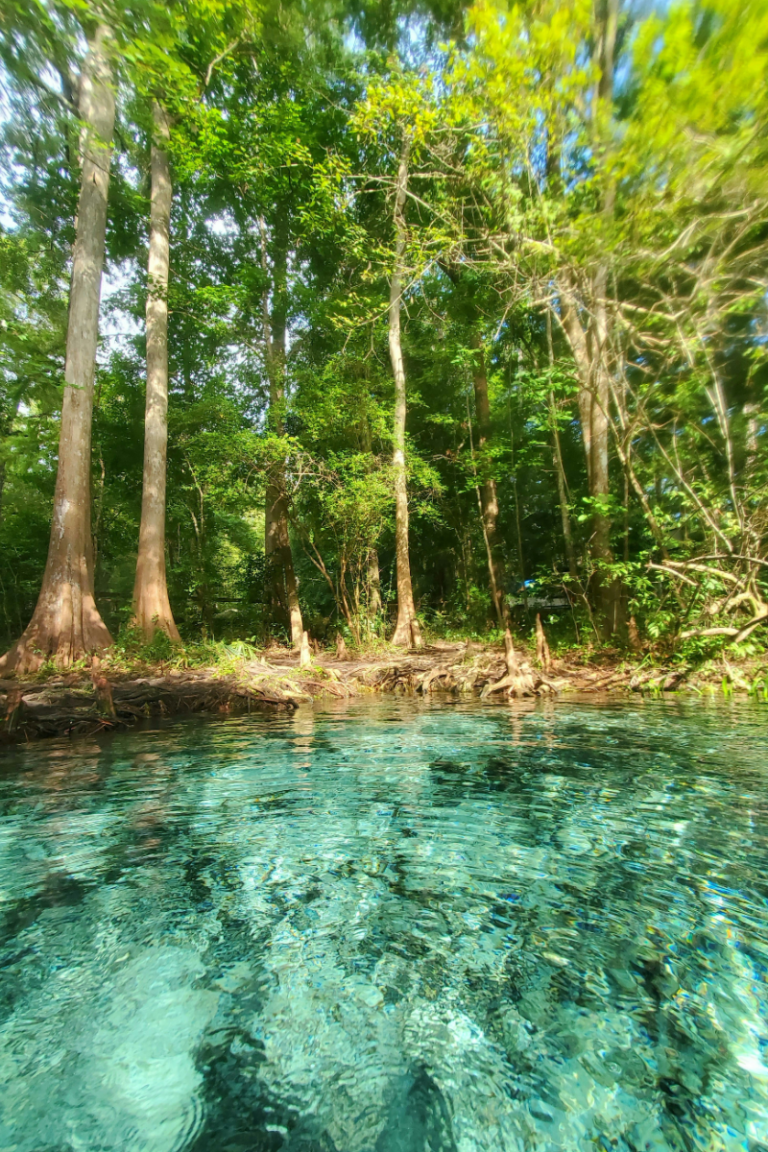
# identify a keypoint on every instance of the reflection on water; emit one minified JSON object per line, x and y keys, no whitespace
{"x":396,"y":928}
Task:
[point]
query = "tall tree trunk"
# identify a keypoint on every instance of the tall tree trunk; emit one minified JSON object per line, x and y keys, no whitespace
{"x":66,"y":624}
{"x":373,"y":574}
{"x":590,"y":354}
{"x":607,"y":590}
{"x":557,"y":459}
{"x":407,"y":630}
{"x":151,"y":606}
{"x":489,"y":502}
{"x":590,"y":345}
{"x":562,"y":495}
{"x":6,"y":427}
{"x":373,"y":583}
{"x":282,"y":586}
{"x":578,"y":341}
{"x":515,"y":478}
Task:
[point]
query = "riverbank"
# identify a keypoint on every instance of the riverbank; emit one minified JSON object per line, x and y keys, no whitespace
{"x":109,"y":697}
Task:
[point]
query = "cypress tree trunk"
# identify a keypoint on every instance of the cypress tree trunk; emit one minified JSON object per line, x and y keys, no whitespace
{"x":407,"y":630}
{"x":281,"y":575}
{"x":152,"y":609}
{"x":607,"y":591}
{"x":282,"y":586}
{"x":66,"y":624}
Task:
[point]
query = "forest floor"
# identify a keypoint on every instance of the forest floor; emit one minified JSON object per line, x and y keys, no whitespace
{"x":119,"y":695}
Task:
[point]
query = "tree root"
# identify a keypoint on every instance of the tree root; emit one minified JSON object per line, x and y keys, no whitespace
{"x":80,"y":704}
{"x":33,"y":711}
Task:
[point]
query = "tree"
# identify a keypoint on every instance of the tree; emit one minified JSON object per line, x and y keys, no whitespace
{"x":281,"y":574}
{"x":66,"y":624}
{"x":614,"y":173}
{"x":152,"y":609}
{"x":439,"y":319}
{"x":407,"y":630}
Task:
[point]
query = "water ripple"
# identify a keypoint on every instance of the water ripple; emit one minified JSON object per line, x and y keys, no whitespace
{"x":390,"y":927}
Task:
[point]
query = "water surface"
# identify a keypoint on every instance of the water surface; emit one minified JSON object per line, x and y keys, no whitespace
{"x":395,"y":927}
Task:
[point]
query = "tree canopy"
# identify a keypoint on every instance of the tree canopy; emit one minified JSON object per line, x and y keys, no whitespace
{"x":490,"y":275}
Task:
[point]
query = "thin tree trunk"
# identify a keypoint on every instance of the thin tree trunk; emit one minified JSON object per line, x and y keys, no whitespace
{"x":151,"y":606}
{"x":282,"y":585}
{"x":594,"y":397}
{"x":518,"y":522}
{"x":373,"y":574}
{"x":751,"y":412}
{"x":557,"y":456}
{"x":577,"y":340}
{"x":562,"y":495}
{"x":600,"y":486}
{"x":590,"y":347}
{"x":489,"y":502}
{"x":373,"y":582}
{"x":487,"y":494}
{"x":407,"y":630}
{"x":66,"y":624}
{"x":7,"y":427}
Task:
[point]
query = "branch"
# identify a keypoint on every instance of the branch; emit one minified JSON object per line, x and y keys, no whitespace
{"x":218,"y":59}
{"x":736,"y":634}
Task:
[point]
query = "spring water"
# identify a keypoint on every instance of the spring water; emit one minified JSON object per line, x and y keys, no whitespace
{"x":390,"y":926}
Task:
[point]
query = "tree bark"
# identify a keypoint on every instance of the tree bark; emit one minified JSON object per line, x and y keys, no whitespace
{"x":562,"y":495}
{"x":6,"y":425}
{"x":282,"y":586}
{"x":515,"y":479}
{"x":407,"y":630}
{"x":590,"y":355}
{"x":607,"y":591}
{"x":589,"y":342}
{"x":373,"y":573}
{"x":557,"y":458}
{"x":66,"y":625}
{"x":151,"y":606}
{"x":489,"y":501}
{"x":373,"y":582}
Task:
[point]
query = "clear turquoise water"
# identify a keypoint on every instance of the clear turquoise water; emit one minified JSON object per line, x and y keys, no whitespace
{"x":391,"y":928}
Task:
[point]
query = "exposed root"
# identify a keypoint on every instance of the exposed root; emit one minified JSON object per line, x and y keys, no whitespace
{"x":305,"y":652}
{"x":79,"y":703}
{"x":62,"y":709}
{"x":542,"y":647}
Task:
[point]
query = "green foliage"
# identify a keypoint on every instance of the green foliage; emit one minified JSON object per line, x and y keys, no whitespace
{"x":533,"y":182}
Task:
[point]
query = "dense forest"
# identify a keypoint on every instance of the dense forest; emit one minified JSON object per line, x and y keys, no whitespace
{"x":386,"y":318}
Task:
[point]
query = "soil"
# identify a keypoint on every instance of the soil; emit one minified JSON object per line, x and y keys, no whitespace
{"x":104,"y":699}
